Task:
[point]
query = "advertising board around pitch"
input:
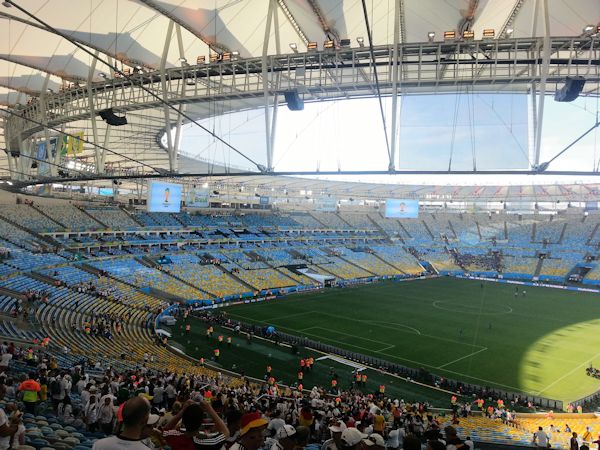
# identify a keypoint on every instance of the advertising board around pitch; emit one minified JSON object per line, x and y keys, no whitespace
{"x":401,"y":209}
{"x":164,"y":197}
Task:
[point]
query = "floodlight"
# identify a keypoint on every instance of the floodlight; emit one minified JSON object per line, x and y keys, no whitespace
{"x":588,"y":28}
{"x":509,"y":32}
{"x":468,"y":35}
{"x":235,"y":55}
{"x":200,"y":60}
{"x":182,"y":60}
{"x":344,"y":42}
{"x":431,"y":36}
{"x":226,"y":56}
{"x":449,"y":35}
{"x":294,"y":47}
{"x":361,"y":41}
{"x":329,"y":44}
{"x":489,"y":33}
{"x":102,"y":75}
{"x":312,"y":46}
{"x":213,"y":57}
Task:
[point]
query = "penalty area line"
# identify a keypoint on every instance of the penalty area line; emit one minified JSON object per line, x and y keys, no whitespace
{"x":461,"y":358}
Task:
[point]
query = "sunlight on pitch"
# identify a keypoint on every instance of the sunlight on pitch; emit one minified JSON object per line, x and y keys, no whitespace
{"x":554,"y":366}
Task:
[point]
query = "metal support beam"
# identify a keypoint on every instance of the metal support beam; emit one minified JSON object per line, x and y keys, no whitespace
{"x":265,"y":83}
{"x":165,"y":95}
{"x":544,"y":77}
{"x":92,"y":108}
{"x":395,"y":73}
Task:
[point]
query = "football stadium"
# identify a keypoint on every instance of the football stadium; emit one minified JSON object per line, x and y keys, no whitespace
{"x":289,"y":224}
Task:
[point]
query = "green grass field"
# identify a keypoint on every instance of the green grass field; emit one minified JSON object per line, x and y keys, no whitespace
{"x":540,"y":343}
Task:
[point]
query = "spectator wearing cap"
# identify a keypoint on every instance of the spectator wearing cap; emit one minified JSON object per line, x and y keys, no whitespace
{"x":284,"y":438}
{"x":136,"y":413}
{"x":251,"y":432}
{"x":352,"y":439}
{"x":335,"y":443}
{"x":375,"y":442}
{"x":192,"y":415}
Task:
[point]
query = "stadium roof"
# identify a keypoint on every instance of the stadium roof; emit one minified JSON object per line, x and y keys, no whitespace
{"x":37,"y":63}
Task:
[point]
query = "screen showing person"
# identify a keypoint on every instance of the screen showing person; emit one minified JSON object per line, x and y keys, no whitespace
{"x":401,"y":209}
{"x":164,"y":197}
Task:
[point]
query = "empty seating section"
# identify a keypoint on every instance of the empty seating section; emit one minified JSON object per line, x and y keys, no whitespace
{"x":556,"y":267}
{"x":360,"y":221}
{"x":465,"y":228}
{"x":417,"y":233}
{"x":29,"y":217}
{"x":390,"y":226}
{"x":519,"y":233}
{"x":549,"y":231}
{"x":371,"y":263}
{"x":24,"y":260}
{"x":16,"y":236}
{"x":399,"y":258}
{"x":265,"y":278}
{"x":306,"y":221}
{"x":113,"y":218}
{"x":331,"y":220}
{"x":69,"y":275}
{"x":157,"y":219}
{"x":70,"y":216}
{"x":278,"y":257}
{"x":439,"y":226}
{"x":131,"y":271}
{"x":345,"y":270}
{"x":519,"y":265}
{"x":491,"y":229}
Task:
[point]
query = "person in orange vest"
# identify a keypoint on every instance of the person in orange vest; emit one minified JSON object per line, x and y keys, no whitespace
{"x":334,"y":383}
{"x":300,"y":387}
{"x":300,"y":375}
{"x":358,"y":378}
{"x":228,"y":341}
{"x":217,"y":354}
{"x":382,"y":389}
{"x":453,"y":400}
{"x":188,"y":327}
{"x":202,"y":362}
{"x":364,"y":379}
{"x":220,"y":339}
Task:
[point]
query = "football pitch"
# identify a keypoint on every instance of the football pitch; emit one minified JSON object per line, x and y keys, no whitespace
{"x":539,"y":343}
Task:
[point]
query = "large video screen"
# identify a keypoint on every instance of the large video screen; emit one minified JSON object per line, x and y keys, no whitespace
{"x":401,"y":209}
{"x":164,"y":197}
{"x":198,"y":198}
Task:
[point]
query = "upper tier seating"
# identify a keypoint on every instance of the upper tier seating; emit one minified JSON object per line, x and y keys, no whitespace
{"x":113,"y":218}
{"x":70,"y":216}
{"x":29,"y":217}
